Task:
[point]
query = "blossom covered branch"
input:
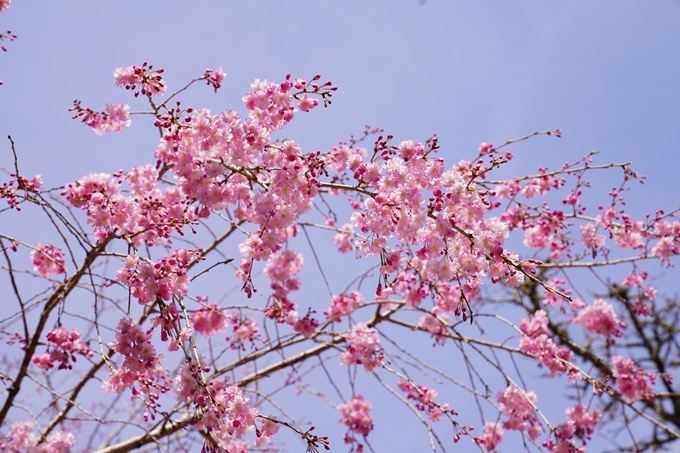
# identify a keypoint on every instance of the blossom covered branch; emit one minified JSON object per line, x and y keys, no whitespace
{"x":121,"y":306}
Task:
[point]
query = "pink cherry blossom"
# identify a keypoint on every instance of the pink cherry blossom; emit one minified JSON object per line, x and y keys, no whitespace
{"x":208,"y":320}
{"x":231,"y":418}
{"x":62,"y":348}
{"x":435,"y":325}
{"x":214,"y":77}
{"x":8,"y":190}
{"x":634,"y":384}
{"x":536,"y":325}
{"x":165,"y":278}
{"x":362,"y":347}
{"x":141,"y":365}
{"x":245,"y":330}
{"x":553,"y":298}
{"x":149,"y":215}
{"x":605,"y":219}
{"x":424,"y":400}
{"x":583,"y":421}
{"x":267,"y":430}
{"x":634,"y":278}
{"x":665,"y":248}
{"x":344,"y":240}
{"x":589,"y":238}
{"x":580,"y":425}
{"x":491,"y":436}
{"x":518,"y":406}
{"x":343,"y":305}
{"x":306,"y":103}
{"x":356,"y":416}
{"x":141,"y":79}
{"x":21,"y":439}
{"x":48,"y":259}
{"x":538,"y":344}
{"x":599,"y":319}
{"x":306,"y":325}
{"x":186,"y":387}
{"x":547,"y":353}
{"x":113,"y":119}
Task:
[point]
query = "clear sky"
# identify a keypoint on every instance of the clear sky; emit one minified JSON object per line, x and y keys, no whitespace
{"x":607,"y":73}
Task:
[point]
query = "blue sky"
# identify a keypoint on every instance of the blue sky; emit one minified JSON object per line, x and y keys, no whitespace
{"x":607,"y":73}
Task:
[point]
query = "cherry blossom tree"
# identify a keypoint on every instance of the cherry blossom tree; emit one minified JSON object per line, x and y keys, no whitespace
{"x":122,"y":334}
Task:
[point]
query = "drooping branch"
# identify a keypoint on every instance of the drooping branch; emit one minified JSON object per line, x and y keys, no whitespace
{"x":59,"y":294}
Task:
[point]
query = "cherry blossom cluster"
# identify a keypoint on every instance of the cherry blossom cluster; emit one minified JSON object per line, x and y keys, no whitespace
{"x":538,"y":344}
{"x":225,"y":412}
{"x":219,"y":159}
{"x":668,"y":234}
{"x":282,"y":269}
{"x":21,"y":439}
{"x":600,"y":319}
{"x":166,"y":278}
{"x":345,"y":238}
{"x":519,"y":407}
{"x":645,"y":293}
{"x":17,"y":337}
{"x":581,"y":421}
{"x":306,"y":325}
{"x":186,"y":383}
{"x":9,"y":189}
{"x":48,"y":260}
{"x":113,"y":119}
{"x":590,"y":238}
{"x":4,"y":4}
{"x":267,"y":429}
{"x":141,"y":366}
{"x":356,"y":416}
{"x":314,"y":87}
{"x":435,"y":325}
{"x":539,"y":185}
{"x":580,"y":424}
{"x":343,"y":305}
{"x":215,"y":149}
{"x":492,"y":435}
{"x":148,"y":215}
{"x":214,"y":77}
{"x":424,"y":400}
{"x":362,"y":347}
{"x":141,"y":79}
{"x":633,"y":383}
{"x":62,"y":349}
{"x":141,"y":359}
{"x":178,"y":339}
{"x":209,"y":320}
{"x":552,"y":292}
{"x":244,"y":330}
{"x":451,"y":239}
{"x":169,"y":323}
{"x":548,"y":229}
{"x":634,"y":278}
{"x":346,"y":157}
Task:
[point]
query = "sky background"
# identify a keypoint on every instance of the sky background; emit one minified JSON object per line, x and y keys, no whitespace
{"x":607,"y":73}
